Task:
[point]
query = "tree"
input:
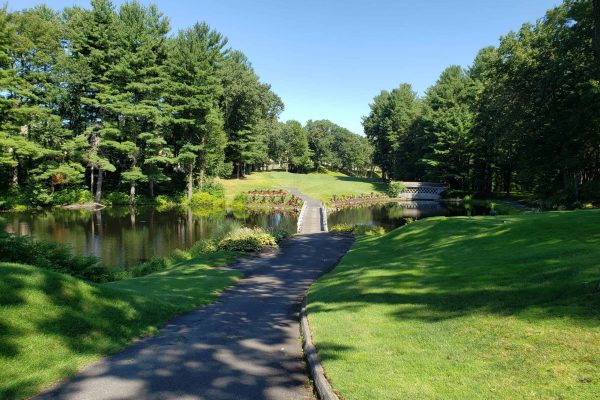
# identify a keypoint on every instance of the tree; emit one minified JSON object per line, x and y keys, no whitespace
{"x":295,"y":147}
{"x":449,"y":118}
{"x":388,"y":126}
{"x":193,"y":94}
{"x":245,"y":103}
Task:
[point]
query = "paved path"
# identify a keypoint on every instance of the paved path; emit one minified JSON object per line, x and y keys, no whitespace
{"x":313,"y":220}
{"x":246,"y":346}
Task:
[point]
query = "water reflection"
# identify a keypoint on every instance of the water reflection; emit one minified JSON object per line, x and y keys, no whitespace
{"x":393,"y":215}
{"x":123,"y":236}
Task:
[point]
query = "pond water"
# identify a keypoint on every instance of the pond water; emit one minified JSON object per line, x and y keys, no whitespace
{"x":393,"y":215}
{"x":121,"y":236}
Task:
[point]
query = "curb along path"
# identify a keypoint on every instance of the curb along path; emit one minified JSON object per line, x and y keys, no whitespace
{"x":245,"y":346}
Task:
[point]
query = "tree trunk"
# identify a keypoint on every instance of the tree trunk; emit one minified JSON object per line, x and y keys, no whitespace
{"x":596,"y":38}
{"x":98,"y":196}
{"x":92,"y":180}
{"x":132,"y":194}
{"x":201,"y":178}
{"x":238,"y":170}
{"x":507,"y":182}
{"x":151,"y":188}
{"x":190,"y":185}
{"x":15,"y":176}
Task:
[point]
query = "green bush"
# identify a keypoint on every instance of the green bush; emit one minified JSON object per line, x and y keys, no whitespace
{"x":164,"y":201}
{"x":279,"y":234}
{"x":358,"y":230}
{"x":53,"y":256}
{"x":116,"y":199}
{"x":203,"y":246}
{"x":12,"y":201}
{"x":342,"y":228}
{"x":204,"y":200}
{"x":71,"y":196}
{"x":241,"y":198}
{"x":154,"y":265}
{"x":368,"y":230}
{"x":176,"y":256}
{"x":395,"y":189}
{"x":247,"y":240}
{"x":215,"y":189}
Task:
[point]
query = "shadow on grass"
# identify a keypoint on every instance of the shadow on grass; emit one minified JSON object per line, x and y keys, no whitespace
{"x":533,"y":267}
{"x":41,"y":308}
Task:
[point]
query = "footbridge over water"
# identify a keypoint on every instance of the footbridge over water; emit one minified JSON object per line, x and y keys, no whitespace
{"x":423,"y":191}
{"x":313,"y":216}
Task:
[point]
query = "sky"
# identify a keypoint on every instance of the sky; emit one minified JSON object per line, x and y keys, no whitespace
{"x":327,"y":59}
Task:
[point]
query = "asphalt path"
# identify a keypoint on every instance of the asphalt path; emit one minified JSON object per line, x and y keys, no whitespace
{"x":245,"y":346}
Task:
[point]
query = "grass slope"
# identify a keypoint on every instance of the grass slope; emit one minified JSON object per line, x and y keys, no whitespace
{"x":502,"y":308}
{"x":53,"y":324}
{"x":320,"y":186}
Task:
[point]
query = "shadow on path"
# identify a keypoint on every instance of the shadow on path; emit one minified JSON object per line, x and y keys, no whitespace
{"x":246,"y":346}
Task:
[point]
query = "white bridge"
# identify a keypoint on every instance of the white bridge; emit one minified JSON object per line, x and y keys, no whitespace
{"x":422,"y":191}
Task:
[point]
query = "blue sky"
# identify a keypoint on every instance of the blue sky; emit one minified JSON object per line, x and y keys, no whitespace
{"x":327,"y":59}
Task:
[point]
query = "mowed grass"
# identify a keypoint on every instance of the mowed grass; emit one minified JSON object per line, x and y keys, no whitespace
{"x":460,"y":308}
{"x":52,"y":324}
{"x":320,"y":186}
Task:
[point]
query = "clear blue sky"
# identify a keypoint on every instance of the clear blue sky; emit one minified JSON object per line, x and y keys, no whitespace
{"x":327,"y":59}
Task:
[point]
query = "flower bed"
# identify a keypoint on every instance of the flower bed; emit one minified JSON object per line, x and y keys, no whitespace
{"x":273,"y":198}
{"x":341,"y":201}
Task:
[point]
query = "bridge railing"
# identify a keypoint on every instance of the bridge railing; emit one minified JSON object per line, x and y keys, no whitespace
{"x":301,"y":217}
{"x":324,"y":225}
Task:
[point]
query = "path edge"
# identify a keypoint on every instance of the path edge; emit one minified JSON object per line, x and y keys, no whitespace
{"x":316,"y":372}
{"x":315,"y":368}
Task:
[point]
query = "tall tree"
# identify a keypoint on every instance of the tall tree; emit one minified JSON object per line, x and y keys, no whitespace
{"x":193,"y":94}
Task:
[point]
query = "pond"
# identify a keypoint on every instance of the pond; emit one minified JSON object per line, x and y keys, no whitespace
{"x":393,"y":215}
{"x":121,"y":236}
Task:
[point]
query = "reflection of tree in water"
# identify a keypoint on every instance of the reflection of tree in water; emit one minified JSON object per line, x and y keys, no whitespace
{"x":393,"y":215}
{"x":123,"y":236}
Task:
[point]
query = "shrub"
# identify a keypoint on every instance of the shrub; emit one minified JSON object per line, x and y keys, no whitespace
{"x":203,"y":246}
{"x":176,"y":256}
{"x":215,"y":189}
{"x":395,"y":189}
{"x":53,"y":256}
{"x":164,"y":202}
{"x":204,"y":200}
{"x":247,"y":240}
{"x":12,"y":201}
{"x":342,"y":228}
{"x":279,"y":234}
{"x":241,"y":198}
{"x":368,"y":230}
{"x":116,"y":199}
{"x":154,"y":265}
{"x":358,"y":230}
{"x":71,"y":196}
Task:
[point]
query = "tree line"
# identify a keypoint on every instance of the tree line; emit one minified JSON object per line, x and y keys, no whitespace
{"x":108,"y":99}
{"x":525,"y":116}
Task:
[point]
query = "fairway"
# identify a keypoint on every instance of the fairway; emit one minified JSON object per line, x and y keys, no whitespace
{"x":70,"y":323}
{"x":320,"y":186}
{"x":466,"y":308}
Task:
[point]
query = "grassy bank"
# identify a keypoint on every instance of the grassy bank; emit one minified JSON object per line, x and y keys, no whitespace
{"x":52,"y":324}
{"x":460,"y":308}
{"x":320,"y":186}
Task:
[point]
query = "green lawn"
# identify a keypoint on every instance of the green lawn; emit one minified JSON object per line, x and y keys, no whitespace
{"x":459,"y":308}
{"x":53,"y":324}
{"x":320,"y":186}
